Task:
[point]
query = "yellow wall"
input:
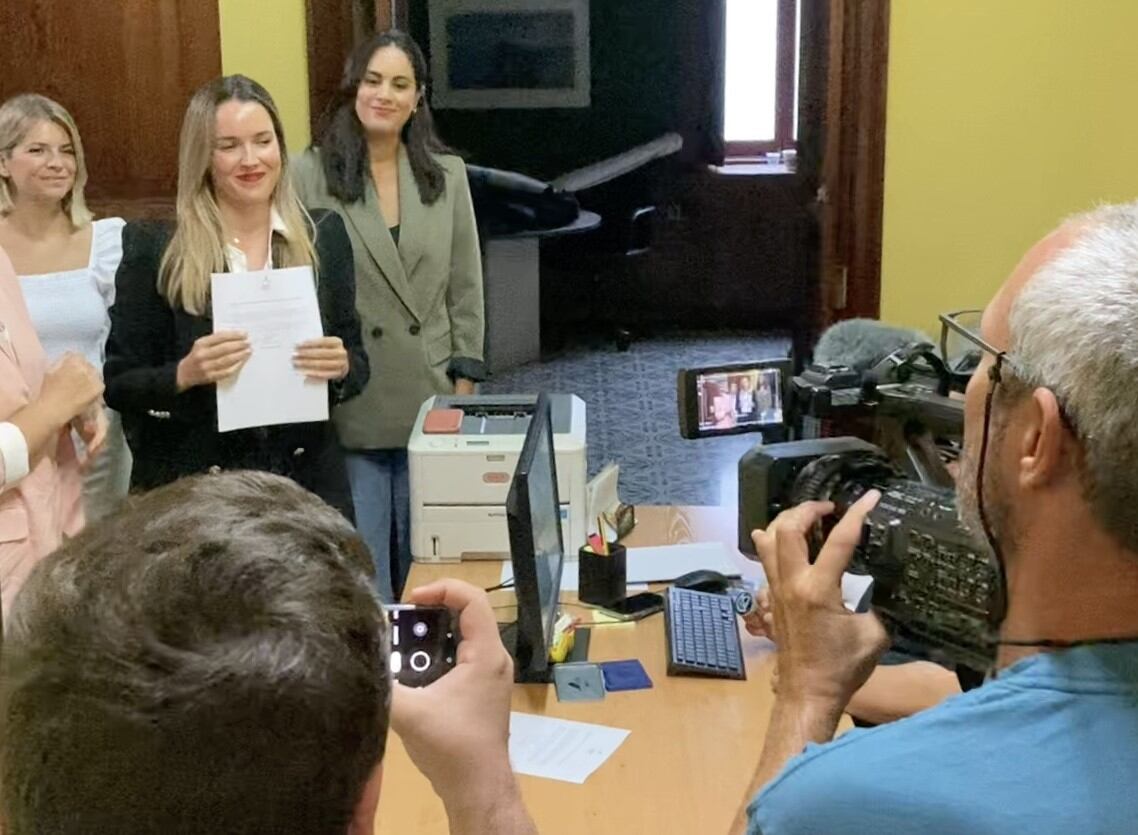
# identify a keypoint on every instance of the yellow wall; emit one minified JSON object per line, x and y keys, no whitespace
{"x":267,"y":41}
{"x":1003,"y":116}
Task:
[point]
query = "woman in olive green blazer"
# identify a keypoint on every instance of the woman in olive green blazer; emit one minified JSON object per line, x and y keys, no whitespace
{"x":406,"y":205}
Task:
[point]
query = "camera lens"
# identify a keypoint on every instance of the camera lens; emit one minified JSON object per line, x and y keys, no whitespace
{"x":420,"y":630}
{"x":420,"y":661}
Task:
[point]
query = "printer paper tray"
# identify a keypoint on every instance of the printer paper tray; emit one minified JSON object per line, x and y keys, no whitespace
{"x":449,"y":533}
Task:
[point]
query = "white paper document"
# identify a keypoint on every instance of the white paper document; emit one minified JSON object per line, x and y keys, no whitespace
{"x":660,"y":564}
{"x":278,"y":310}
{"x":559,"y":749}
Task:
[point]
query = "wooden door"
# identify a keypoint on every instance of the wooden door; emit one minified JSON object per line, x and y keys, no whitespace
{"x":851,"y":191}
{"x":125,"y":69}
{"x":334,"y":28}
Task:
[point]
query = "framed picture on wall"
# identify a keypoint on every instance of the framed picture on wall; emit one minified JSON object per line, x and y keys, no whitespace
{"x":488,"y":54}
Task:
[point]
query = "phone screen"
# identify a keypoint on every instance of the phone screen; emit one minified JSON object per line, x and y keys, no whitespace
{"x":423,"y":643}
{"x":638,"y":606}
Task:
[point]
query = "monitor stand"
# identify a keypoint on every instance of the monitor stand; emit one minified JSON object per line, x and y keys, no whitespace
{"x":509,"y":635}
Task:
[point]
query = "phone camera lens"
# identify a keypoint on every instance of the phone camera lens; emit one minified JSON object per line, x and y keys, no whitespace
{"x":419,"y":661}
{"x":420,"y":629}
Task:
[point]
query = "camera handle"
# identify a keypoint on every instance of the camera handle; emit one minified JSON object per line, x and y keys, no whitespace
{"x":899,"y":365}
{"x":912,"y":442}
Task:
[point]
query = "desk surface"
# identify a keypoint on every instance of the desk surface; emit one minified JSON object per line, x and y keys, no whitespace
{"x":694,"y":744}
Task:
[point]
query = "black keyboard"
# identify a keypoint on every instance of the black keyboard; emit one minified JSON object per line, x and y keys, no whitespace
{"x":703,"y":638}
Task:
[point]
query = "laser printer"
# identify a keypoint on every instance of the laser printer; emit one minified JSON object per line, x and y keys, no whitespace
{"x":460,"y":475}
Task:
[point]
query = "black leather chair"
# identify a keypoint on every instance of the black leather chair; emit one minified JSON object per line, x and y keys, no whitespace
{"x":604,"y":278}
{"x":621,"y":280}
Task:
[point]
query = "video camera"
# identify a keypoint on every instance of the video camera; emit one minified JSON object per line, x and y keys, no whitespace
{"x":930,"y":581}
{"x":902,"y":403}
{"x":911,"y":379}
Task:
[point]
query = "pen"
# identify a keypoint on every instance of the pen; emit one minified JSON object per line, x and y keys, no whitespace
{"x":604,"y":537}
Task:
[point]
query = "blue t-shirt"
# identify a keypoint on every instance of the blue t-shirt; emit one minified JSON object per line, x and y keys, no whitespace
{"x":1051,"y":746}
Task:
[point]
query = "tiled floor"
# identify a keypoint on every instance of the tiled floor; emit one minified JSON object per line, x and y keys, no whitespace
{"x":631,"y":412}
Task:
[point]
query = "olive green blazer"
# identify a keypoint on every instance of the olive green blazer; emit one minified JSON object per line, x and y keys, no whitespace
{"x":420,"y":305}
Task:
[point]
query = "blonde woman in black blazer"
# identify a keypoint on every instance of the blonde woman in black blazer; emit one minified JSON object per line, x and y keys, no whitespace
{"x":406,"y":204}
{"x":236,"y":210}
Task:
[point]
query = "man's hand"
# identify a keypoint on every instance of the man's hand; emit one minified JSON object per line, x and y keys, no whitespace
{"x":456,"y":730}
{"x":760,"y":623}
{"x":463,"y":387}
{"x":825,"y":652}
{"x":760,"y":620}
{"x":70,"y":387}
{"x":213,"y":358}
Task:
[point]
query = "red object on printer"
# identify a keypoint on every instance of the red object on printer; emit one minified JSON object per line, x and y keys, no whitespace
{"x":442,"y":422}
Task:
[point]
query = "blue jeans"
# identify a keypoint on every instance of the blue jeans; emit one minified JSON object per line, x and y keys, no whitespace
{"x":382,"y":495}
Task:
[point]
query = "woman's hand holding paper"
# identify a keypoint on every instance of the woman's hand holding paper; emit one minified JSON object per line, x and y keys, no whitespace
{"x":322,"y":359}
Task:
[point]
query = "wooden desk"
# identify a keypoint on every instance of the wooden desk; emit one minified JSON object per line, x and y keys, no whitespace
{"x":694,"y":744}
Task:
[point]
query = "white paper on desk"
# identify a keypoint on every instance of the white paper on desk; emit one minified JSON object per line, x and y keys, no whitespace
{"x":664,"y":563}
{"x":660,"y":564}
{"x":560,"y":749}
{"x":569,"y":578}
{"x":278,"y":310}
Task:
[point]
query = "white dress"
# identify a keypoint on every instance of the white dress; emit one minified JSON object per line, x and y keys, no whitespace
{"x":69,"y":311}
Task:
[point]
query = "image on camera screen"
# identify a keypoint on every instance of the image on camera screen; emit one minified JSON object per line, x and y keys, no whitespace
{"x":728,"y":400}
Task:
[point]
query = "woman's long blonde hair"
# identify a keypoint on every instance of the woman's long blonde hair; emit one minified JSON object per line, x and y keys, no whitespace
{"x":20,"y":114}
{"x":197,"y":247}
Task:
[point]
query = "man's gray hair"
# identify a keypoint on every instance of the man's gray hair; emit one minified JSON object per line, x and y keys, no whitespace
{"x":1074,"y":330}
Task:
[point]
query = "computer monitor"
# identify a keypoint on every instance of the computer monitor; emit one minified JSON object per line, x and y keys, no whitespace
{"x":533,"y":513}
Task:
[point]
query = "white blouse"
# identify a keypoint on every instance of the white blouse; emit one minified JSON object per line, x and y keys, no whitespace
{"x":69,"y":308}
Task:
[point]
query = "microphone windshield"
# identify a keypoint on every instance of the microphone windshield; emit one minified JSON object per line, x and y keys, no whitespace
{"x":862,"y":343}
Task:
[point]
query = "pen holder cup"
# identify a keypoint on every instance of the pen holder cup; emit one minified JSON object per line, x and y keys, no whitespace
{"x":602,"y":578}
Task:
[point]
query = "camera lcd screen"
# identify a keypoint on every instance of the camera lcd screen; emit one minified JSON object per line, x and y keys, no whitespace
{"x":737,"y":399}
{"x":729,"y":399}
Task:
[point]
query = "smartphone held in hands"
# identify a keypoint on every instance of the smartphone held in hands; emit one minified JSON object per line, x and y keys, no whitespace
{"x":423,"y":643}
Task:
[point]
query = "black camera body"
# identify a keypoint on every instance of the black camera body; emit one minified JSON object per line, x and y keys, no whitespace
{"x":909,"y":384}
{"x":931,"y":583}
{"x":820,"y":391}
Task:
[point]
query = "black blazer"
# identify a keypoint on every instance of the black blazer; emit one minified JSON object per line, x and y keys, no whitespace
{"x":172,"y":435}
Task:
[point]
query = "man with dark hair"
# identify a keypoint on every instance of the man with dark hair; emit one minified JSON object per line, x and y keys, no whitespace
{"x":213,"y":659}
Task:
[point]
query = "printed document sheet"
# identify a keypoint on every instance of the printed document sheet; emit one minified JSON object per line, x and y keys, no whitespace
{"x":278,"y":310}
{"x":560,"y":749}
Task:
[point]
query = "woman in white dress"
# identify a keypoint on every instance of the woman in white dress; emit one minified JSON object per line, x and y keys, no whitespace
{"x":66,"y":262}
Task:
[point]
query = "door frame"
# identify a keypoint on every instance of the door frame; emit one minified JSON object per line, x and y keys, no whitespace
{"x":333,"y":28}
{"x":391,"y":13}
{"x":851,"y":192}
